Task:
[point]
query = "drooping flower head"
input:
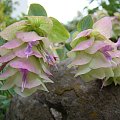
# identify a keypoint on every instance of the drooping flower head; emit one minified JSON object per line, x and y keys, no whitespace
{"x":27,"y":54}
{"x":22,"y":55}
{"x":93,"y":53}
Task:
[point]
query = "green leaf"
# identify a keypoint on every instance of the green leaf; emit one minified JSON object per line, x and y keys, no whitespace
{"x":85,"y":23}
{"x":40,"y":23}
{"x":36,"y":10}
{"x":62,"y":52}
{"x":2,"y":97}
{"x":68,"y":47}
{"x":2,"y":41}
{"x":58,"y":33}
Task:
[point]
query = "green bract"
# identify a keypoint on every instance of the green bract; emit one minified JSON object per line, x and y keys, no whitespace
{"x":40,"y":23}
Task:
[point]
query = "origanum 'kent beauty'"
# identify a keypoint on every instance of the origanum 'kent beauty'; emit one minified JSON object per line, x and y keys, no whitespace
{"x":95,"y":56}
{"x":27,"y":53}
{"x":26,"y":57}
{"x":24,"y":71}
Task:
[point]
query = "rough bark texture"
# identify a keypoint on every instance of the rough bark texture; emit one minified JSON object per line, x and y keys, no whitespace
{"x":69,"y":99}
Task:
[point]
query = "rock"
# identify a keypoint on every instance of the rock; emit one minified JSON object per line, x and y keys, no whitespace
{"x":69,"y":98}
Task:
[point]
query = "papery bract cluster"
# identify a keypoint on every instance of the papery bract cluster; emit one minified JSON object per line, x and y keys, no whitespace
{"x":95,"y":56}
{"x":115,"y":21}
{"x":26,"y":57}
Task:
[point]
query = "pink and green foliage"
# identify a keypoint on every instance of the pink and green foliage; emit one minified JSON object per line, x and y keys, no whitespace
{"x":95,"y":55}
{"x":115,"y":21}
{"x":26,"y":58}
{"x":27,"y":53}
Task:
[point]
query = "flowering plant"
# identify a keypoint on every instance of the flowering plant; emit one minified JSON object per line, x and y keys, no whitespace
{"x":27,"y":53}
{"x":94,"y":54}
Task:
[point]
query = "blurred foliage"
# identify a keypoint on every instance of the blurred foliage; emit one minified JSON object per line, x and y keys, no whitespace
{"x":111,"y":6}
{"x":115,"y":22}
{"x":6,"y":9}
{"x":104,"y":8}
{"x":116,"y":25}
{"x":71,"y":25}
{"x":5,"y":98}
{"x":107,"y":8}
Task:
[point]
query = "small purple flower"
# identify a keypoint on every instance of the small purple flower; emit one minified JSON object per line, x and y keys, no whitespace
{"x":50,"y":59}
{"x":105,"y":51}
{"x":24,"y":78}
{"x":107,"y":48}
{"x":28,"y":50}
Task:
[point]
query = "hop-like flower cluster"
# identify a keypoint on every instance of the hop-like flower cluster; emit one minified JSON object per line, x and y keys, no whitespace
{"x":95,"y":56}
{"x":26,"y":58}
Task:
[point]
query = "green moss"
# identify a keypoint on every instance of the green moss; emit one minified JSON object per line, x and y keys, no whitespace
{"x":61,"y":90}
